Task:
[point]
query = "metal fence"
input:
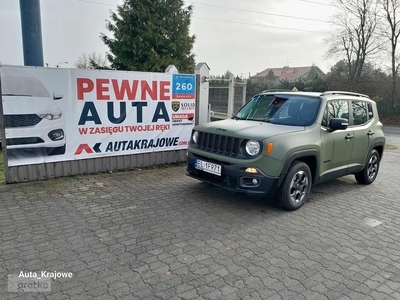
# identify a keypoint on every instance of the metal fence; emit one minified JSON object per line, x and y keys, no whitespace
{"x":388,"y":107}
{"x":226,"y":96}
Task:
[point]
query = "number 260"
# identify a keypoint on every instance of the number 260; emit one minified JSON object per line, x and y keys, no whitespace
{"x":184,"y":86}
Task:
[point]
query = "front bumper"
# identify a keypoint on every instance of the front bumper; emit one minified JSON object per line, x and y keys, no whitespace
{"x":42,"y":135}
{"x":234,"y":178}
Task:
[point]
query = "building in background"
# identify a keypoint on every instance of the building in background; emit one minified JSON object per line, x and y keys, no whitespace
{"x":277,"y":75}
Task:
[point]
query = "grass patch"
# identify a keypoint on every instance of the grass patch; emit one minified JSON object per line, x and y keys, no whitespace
{"x":390,"y":147}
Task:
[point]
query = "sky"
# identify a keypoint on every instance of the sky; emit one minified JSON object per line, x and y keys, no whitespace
{"x":244,"y":37}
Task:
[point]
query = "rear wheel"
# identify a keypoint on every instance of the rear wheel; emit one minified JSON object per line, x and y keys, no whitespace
{"x":296,"y":187}
{"x":370,"y":171}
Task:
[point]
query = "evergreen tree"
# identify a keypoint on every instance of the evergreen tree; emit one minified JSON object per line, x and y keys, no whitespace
{"x":149,"y":35}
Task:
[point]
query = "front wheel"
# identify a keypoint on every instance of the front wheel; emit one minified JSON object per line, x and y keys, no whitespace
{"x":296,"y":187}
{"x":370,"y":171}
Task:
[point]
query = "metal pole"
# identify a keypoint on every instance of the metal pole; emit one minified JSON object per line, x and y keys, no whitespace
{"x":244,"y":92}
{"x":31,"y":32}
{"x":231,"y":95}
{"x":202,"y":72}
{"x":197,"y":101}
{"x":3,"y":139}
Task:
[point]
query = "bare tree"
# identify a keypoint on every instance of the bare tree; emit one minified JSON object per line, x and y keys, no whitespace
{"x":391,"y":15}
{"x":91,"y":61}
{"x":357,"y":37}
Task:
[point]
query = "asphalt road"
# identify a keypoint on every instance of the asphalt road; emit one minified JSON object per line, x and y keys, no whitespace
{"x":391,"y":130}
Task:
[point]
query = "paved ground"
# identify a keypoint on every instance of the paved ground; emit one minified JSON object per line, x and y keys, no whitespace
{"x":156,"y":234}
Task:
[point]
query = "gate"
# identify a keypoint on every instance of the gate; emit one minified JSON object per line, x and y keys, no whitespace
{"x":226,"y":96}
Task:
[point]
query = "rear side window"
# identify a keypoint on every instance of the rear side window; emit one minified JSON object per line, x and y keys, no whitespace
{"x":370,"y":111}
{"x":335,"y":109}
{"x":360,"y":112}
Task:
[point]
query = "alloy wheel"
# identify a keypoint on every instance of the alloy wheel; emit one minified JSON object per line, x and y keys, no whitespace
{"x":298,"y":187}
{"x":372,"y":167}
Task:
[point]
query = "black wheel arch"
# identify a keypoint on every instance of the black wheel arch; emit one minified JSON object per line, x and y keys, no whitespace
{"x":310,"y":157}
{"x":378,"y":146}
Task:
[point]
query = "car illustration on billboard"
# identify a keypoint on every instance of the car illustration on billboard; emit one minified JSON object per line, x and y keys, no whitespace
{"x":32,"y":117}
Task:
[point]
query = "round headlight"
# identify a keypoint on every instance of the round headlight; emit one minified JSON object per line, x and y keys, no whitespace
{"x":253,"y":147}
{"x":195,"y":136}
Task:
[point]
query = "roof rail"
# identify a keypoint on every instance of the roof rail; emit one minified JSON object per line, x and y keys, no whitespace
{"x":344,"y":93}
{"x":276,"y":90}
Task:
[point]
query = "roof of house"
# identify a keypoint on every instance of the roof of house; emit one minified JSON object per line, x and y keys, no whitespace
{"x":286,"y":73}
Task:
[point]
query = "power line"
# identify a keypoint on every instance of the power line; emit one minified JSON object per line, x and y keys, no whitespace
{"x":231,"y":8}
{"x":235,"y":22}
{"x":94,"y":2}
{"x":259,"y":25}
{"x":259,"y":12}
{"x":315,"y":2}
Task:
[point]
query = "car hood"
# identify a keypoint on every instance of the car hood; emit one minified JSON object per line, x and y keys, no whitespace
{"x":28,"y":105}
{"x":247,"y":129}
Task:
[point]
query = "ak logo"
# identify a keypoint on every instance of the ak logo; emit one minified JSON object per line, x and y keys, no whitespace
{"x":86,"y":148}
{"x":175,"y":105}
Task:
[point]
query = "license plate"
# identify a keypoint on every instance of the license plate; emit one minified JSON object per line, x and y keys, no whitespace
{"x":207,"y":167}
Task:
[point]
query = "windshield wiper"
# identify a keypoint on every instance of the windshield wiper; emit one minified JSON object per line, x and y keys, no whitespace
{"x":258,"y":120}
{"x":20,"y":95}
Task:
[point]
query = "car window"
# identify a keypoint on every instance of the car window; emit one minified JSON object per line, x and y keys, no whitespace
{"x":360,"y":115}
{"x":370,"y":111}
{"x":293,"y":110}
{"x":335,"y":109}
{"x":23,"y":86}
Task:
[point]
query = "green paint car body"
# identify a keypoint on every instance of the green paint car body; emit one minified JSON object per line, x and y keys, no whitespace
{"x":279,"y":144}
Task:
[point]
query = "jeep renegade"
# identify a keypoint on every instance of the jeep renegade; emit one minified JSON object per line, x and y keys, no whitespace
{"x":279,"y":144}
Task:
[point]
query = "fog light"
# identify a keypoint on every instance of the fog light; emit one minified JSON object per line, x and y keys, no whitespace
{"x":255,"y":181}
{"x":56,"y":135}
{"x":251,"y":170}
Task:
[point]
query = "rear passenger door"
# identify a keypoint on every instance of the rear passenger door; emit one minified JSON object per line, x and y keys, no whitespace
{"x":362,"y":114}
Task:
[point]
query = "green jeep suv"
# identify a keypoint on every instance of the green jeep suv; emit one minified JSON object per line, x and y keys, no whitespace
{"x":280,"y":143}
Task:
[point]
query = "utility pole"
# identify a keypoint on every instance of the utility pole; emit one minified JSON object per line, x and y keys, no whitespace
{"x":31,"y":32}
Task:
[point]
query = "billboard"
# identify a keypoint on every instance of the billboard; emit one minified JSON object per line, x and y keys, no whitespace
{"x":67,"y":114}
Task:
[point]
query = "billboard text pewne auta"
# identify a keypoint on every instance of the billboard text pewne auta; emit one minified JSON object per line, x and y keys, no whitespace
{"x":67,"y":114}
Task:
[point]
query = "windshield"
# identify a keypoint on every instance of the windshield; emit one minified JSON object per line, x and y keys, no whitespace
{"x":23,"y":86}
{"x":291,"y":110}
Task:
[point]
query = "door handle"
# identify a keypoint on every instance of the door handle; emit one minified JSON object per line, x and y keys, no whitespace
{"x":370,"y":132}
{"x":349,"y":137}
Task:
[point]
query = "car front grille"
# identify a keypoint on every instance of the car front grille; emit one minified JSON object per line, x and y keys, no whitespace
{"x":220,"y":144}
{"x":11,"y":121}
{"x":24,"y":141}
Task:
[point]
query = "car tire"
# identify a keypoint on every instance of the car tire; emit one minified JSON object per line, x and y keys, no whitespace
{"x":370,"y":171}
{"x":296,"y":187}
{"x":56,"y":150}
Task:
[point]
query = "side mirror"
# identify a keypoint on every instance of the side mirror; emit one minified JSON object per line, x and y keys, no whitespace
{"x":57,"y":96}
{"x":338,"y":124}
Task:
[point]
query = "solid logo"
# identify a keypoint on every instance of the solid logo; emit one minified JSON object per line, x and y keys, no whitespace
{"x":188,"y":106}
{"x":175,"y":105}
